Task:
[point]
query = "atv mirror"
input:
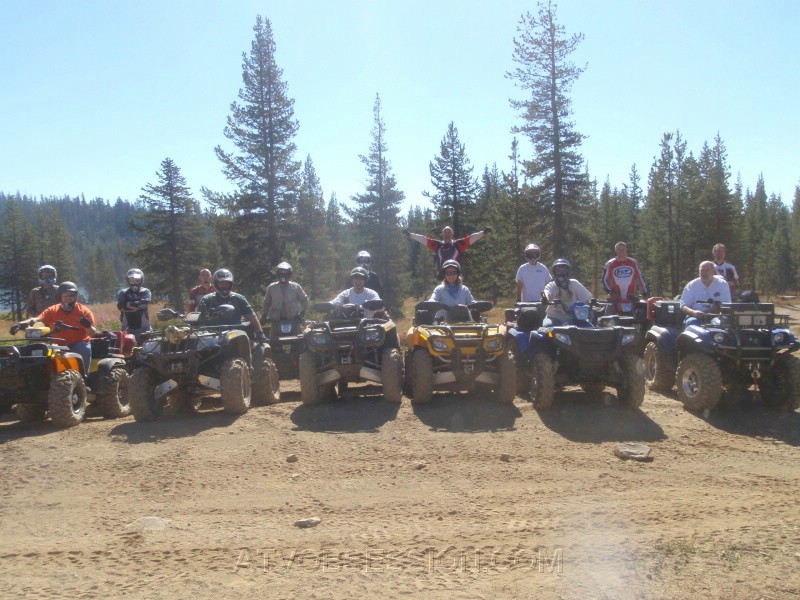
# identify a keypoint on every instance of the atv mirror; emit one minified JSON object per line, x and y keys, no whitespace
{"x":481,"y":306}
{"x":374,"y":304}
{"x":191,"y":318}
{"x":323,"y":306}
{"x":165,"y":314}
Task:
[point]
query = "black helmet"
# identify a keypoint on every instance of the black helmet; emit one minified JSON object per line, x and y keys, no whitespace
{"x":221,"y":275}
{"x":45,"y":270}
{"x":67,"y":286}
{"x":359,"y":272}
{"x":284,"y":271}
{"x":451,"y":264}
{"x":532,"y":252}
{"x":562,"y":262}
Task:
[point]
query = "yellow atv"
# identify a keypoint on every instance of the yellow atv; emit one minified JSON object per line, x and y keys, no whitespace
{"x":457,"y":351}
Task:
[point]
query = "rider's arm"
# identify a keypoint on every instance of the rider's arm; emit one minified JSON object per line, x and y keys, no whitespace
{"x":301,"y":293}
{"x":643,"y":287}
{"x":267,"y":304}
{"x":469,"y":299}
{"x":342,"y":298}
{"x":431,"y":244}
{"x":607,"y":280}
{"x":519,"y":291}
{"x":121,"y":301}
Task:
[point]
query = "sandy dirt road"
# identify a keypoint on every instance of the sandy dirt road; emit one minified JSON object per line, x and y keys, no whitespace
{"x":460,"y":499}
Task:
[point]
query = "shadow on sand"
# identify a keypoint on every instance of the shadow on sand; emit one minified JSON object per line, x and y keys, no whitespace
{"x":464,"y":412}
{"x":580,"y":417}
{"x":742,"y":416}
{"x":361,"y":410}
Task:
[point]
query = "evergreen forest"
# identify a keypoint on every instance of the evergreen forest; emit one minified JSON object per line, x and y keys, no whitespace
{"x":670,"y":212}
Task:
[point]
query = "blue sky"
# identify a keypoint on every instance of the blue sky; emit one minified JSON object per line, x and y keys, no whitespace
{"x":96,"y":94}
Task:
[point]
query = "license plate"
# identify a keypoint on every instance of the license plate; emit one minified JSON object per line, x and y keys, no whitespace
{"x":347,"y":360}
{"x":286,"y":328}
{"x":287,"y":349}
{"x":176,"y":367}
{"x":469,"y":367}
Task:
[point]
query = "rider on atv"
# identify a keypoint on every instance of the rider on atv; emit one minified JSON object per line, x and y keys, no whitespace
{"x":700,"y":293}
{"x":285,"y":300}
{"x":224,"y":295}
{"x":46,"y":294}
{"x":133,"y":304}
{"x":68,"y":312}
{"x":562,"y":293}
{"x":358,"y":294}
{"x":452,"y":291}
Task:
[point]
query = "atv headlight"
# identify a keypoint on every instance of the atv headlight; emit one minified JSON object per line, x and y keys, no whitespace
{"x":719,"y":337}
{"x":440,"y":344}
{"x":778,"y":337}
{"x":372,"y":336}
{"x":319,"y":338}
{"x":628,"y":338}
{"x":563,"y":338}
{"x":493,"y":344}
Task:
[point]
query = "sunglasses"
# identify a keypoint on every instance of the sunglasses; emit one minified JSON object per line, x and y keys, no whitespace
{"x":449,"y":273}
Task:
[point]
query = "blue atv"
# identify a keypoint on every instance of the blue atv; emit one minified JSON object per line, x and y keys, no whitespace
{"x":740,"y":345}
{"x":590,"y":355}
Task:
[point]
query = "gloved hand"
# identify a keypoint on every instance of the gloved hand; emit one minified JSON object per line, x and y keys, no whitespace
{"x":58,"y":325}
{"x":406,"y":233}
{"x":487,"y":230}
{"x":16,"y":327}
{"x":85,"y":322}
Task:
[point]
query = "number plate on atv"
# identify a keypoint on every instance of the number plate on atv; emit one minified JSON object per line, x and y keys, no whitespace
{"x":176,"y":367}
{"x":468,"y":367}
{"x":347,"y":360}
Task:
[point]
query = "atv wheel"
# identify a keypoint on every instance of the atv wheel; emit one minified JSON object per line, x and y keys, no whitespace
{"x":113,"y":402}
{"x":392,"y":375}
{"x":659,"y":372}
{"x":631,"y":392}
{"x":234,"y":385}
{"x":141,"y":388}
{"x":506,"y":389}
{"x":422,"y":377}
{"x":267,"y":384}
{"x":699,"y":382}
{"x":542,"y":381}
{"x":780,"y":387}
{"x":309,"y":390}
{"x":66,"y":399}
{"x":519,"y":364}
{"x":31,"y":412}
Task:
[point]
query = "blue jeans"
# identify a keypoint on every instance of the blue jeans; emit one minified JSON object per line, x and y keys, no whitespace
{"x":85,"y":350}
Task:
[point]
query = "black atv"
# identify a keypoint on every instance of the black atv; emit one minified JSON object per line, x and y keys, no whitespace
{"x":42,"y":377}
{"x":287,"y":347}
{"x":349,"y":347}
{"x":182,"y":362}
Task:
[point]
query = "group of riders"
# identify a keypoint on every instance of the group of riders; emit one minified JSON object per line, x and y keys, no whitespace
{"x":57,"y":306}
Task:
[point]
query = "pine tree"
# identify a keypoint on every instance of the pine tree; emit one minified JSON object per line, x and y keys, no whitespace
{"x":451,"y":176}
{"x":18,"y":262}
{"x":376,"y":216}
{"x":262,"y":127}
{"x":542,"y":53}
{"x":170,"y":229}
{"x":314,"y":261}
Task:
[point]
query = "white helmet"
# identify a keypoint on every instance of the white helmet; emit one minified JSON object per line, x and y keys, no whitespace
{"x":363,"y":259}
{"x":134,"y":277}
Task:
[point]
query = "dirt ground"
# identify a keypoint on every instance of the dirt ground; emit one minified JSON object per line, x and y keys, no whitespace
{"x":460,"y":499}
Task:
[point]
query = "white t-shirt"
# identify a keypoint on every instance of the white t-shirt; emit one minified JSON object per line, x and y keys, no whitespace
{"x":351,"y":297}
{"x":727,"y":271}
{"x":533,"y":278}
{"x":576,"y":293}
{"x":696,"y":291}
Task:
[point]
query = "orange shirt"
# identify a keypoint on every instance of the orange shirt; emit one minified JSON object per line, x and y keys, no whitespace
{"x":55,"y":313}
